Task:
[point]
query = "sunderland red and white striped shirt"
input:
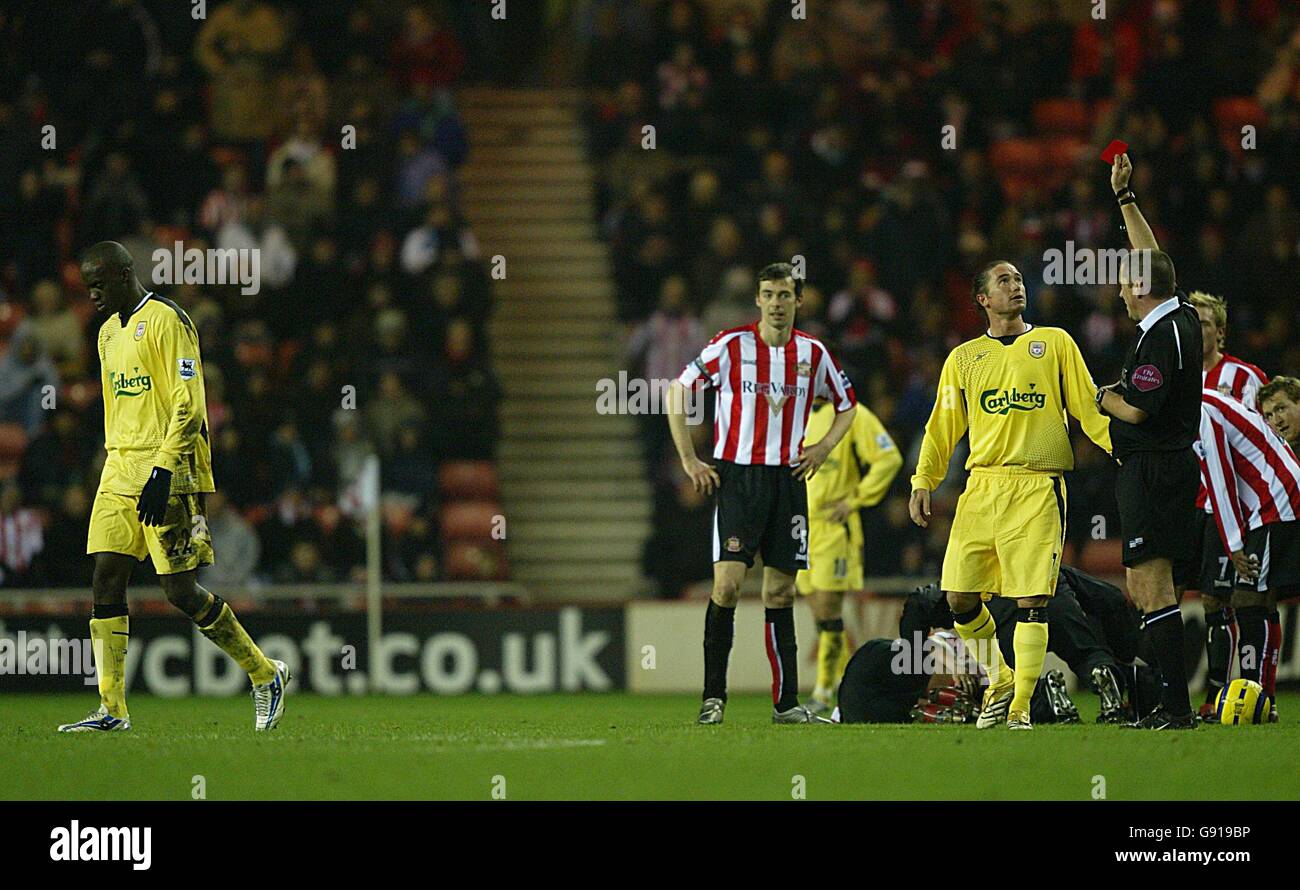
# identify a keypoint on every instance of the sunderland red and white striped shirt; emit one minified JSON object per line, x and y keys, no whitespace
{"x":1231,"y":377}
{"x":1253,"y":475}
{"x":765,"y":393}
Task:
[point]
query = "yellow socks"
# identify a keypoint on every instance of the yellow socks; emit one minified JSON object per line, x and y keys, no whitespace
{"x":981,"y":638}
{"x":832,"y":654}
{"x":108,"y":639}
{"x":229,"y":634}
{"x":1031,"y":649}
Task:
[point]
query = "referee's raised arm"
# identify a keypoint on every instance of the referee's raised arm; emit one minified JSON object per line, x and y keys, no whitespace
{"x":1140,"y":236}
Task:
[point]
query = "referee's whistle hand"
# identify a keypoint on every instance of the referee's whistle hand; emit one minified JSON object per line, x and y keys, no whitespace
{"x":703,"y":477}
{"x":919,"y":507}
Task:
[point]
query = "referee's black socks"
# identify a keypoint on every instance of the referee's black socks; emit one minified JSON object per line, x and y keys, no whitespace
{"x":719,"y":629}
{"x":783,"y":655}
{"x":1164,"y":631}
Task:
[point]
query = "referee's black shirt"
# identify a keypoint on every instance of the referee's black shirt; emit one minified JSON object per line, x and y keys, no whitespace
{"x":1162,"y":376}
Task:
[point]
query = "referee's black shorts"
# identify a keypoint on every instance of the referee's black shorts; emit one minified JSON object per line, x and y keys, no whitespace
{"x":761,"y":510}
{"x":1156,"y":492}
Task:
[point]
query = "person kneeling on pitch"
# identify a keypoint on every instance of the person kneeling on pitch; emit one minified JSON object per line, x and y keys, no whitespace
{"x":1091,"y":627}
{"x":885,"y":682}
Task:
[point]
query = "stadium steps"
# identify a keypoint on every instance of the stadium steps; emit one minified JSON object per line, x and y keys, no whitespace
{"x":539,"y":449}
{"x":573,"y":485}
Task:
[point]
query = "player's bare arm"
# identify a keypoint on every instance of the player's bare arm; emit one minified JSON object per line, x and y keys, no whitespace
{"x":918,"y":507}
{"x":811,"y":457}
{"x":702,"y":475}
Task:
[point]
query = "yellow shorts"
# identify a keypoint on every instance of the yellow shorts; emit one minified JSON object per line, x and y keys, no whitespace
{"x":1007,"y":535}
{"x":180,"y":544}
{"x":834,"y":556}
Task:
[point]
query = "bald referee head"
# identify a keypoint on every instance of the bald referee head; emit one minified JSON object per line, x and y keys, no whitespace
{"x":1146,"y":279}
{"x":108,"y":272}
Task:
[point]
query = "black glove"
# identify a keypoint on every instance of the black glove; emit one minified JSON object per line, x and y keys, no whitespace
{"x":153,"y":499}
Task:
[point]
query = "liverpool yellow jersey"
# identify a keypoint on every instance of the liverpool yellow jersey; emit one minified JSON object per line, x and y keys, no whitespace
{"x":841,"y":478}
{"x":155,"y":410}
{"x":1013,"y":394}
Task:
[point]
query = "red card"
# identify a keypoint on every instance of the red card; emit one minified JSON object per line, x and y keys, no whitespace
{"x":1114,"y":150}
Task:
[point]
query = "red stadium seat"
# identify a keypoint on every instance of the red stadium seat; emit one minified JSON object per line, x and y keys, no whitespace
{"x":1102,"y":558}
{"x":397,"y":514}
{"x":469,"y":480}
{"x":1062,"y":116}
{"x":1064,"y":152}
{"x":13,"y":442}
{"x":1234,"y":112}
{"x":469,"y":520}
{"x":476,"y":561}
{"x":1014,"y":187}
{"x":1102,"y":108}
{"x":1018,"y":157}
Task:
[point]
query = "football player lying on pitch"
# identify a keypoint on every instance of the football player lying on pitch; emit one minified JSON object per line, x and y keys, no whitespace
{"x":1093,"y":629}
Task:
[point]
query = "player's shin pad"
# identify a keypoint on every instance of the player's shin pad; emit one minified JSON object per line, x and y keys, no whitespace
{"x":980,"y":636}
{"x":108,"y":640}
{"x":230,"y":636}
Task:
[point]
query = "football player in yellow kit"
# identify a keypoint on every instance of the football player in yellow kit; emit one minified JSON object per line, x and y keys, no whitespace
{"x":857,"y":474}
{"x":1012,"y":389}
{"x":150,"y":497}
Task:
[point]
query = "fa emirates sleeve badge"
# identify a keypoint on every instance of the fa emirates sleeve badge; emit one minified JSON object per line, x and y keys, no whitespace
{"x":1038,"y":348}
{"x":1147,"y":378}
{"x":139,"y":331}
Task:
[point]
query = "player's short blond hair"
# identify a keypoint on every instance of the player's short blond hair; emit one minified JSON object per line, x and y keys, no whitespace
{"x":1287,"y":386}
{"x":1218,"y":309}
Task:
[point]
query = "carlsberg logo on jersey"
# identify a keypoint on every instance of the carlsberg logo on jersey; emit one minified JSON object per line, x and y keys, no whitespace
{"x":129,"y":385}
{"x":996,"y":401}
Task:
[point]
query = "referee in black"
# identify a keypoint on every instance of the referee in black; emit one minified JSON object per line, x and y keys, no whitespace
{"x":1155,"y":411}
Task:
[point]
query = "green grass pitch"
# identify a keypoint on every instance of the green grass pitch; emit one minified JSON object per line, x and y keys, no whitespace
{"x":611,"y":746}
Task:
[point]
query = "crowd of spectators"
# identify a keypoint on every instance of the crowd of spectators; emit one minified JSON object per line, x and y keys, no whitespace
{"x":322,"y":133}
{"x":824,"y":137}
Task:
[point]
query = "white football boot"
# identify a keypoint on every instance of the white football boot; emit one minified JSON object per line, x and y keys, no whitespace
{"x":98,"y":721}
{"x":268,"y":698}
